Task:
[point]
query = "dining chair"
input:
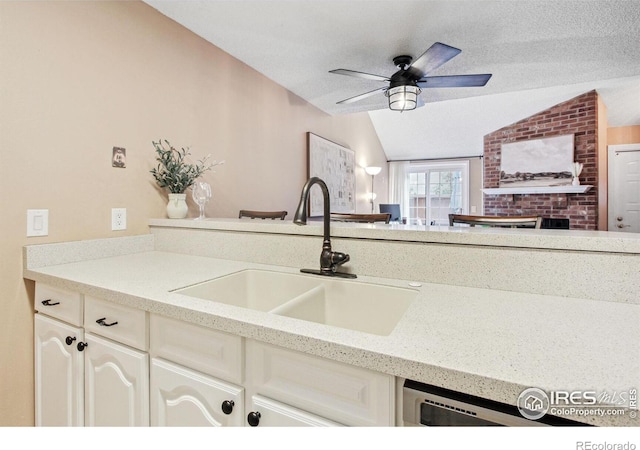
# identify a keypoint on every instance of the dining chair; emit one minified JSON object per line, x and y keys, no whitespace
{"x":496,"y":221}
{"x":262,"y":214}
{"x":362,"y":218}
{"x":393,"y":209}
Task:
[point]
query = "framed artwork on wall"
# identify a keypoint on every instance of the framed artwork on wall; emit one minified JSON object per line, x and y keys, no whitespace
{"x":335,"y":165}
{"x":537,"y":162}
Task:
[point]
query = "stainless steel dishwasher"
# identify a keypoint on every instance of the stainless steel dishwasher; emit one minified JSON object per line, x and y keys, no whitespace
{"x":426,"y":405}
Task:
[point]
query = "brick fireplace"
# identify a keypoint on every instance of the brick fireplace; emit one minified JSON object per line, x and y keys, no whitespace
{"x":578,"y":116}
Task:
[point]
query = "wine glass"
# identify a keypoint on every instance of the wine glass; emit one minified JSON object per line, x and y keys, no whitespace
{"x":201,"y":193}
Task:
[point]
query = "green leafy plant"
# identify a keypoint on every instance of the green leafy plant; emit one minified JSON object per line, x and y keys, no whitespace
{"x":173,"y":172}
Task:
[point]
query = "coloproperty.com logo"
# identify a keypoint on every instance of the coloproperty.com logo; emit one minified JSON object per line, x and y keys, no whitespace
{"x":534,"y":403}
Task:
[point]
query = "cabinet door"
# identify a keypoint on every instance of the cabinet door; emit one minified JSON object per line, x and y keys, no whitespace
{"x":116,"y":384}
{"x":59,"y":373}
{"x":265,"y":412}
{"x":185,"y":398}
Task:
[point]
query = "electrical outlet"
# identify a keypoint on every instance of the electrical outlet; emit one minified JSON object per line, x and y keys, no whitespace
{"x":118,"y":219}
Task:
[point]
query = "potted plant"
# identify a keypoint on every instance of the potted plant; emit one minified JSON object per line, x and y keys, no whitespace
{"x":176,"y":175}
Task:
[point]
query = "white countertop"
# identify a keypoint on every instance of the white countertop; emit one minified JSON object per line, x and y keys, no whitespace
{"x":488,"y":343}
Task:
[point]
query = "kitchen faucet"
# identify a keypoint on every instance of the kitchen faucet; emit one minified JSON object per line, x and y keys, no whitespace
{"x":329,"y":260}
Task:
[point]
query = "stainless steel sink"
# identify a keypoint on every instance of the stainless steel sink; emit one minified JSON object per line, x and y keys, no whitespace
{"x":354,"y":305}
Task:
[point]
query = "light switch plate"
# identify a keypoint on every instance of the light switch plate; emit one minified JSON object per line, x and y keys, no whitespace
{"x":37,"y":222}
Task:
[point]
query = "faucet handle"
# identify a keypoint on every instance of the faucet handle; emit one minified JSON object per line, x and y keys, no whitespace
{"x":337,"y":259}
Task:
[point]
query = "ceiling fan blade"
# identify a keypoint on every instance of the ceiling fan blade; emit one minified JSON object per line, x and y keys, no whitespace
{"x":353,"y":73}
{"x":434,"y":57}
{"x":454,"y":81}
{"x":361,"y":96}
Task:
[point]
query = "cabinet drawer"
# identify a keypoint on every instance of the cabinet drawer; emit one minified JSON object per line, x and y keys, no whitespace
{"x":59,"y":303}
{"x":120,"y":323}
{"x":203,"y":349}
{"x":339,"y":392}
{"x":275,"y":414}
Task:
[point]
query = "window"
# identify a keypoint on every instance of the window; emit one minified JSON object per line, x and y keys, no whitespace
{"x":437,"y":190}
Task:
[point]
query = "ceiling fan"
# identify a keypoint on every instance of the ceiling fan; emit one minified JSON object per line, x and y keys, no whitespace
{"x":407,"y":83}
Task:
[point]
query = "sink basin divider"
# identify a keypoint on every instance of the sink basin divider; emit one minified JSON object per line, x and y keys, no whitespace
{"x":296,"y":301}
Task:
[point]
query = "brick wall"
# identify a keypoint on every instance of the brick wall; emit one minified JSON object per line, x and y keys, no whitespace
{"x":578,"y":116}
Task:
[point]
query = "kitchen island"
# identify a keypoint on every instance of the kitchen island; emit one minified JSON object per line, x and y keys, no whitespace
{"x":496,"y":312}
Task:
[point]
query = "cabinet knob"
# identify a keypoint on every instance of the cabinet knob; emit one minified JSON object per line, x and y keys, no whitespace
{"x":102,"y":322}
{"x":82,"y":346}
{"x":69,"y":340}
{"x":48,"y":302}
{"x":253,"y":418}
{"x":227,"y":406}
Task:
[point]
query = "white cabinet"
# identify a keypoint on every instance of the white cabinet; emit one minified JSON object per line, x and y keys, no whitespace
{"x":195,"y":369}
{"x":185,"y":398}
{"x":196,"y":374}
{"x":116,"y":384}
{"x":98,"y":363}
{"x":335,"y":391}
{"x":116,"y":375}
{"x":59,"y":373}
{"x":82,"y":378}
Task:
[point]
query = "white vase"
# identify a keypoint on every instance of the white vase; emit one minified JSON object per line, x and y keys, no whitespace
{"x":575,"y":181}
{"x":177,"y":206}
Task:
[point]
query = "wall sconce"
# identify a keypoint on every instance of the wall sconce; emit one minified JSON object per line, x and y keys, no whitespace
{"x":373,"y":171}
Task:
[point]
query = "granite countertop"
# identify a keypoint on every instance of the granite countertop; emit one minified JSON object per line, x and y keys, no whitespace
{"x":488,"y":343}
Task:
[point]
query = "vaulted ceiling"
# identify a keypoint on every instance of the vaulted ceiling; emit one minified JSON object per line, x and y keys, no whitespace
{"x":540,"y":53}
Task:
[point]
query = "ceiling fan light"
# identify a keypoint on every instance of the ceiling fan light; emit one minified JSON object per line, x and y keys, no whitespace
{"x":403,"y":98}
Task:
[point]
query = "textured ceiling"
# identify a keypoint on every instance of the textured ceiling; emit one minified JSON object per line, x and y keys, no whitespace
{"x":539,"y":52}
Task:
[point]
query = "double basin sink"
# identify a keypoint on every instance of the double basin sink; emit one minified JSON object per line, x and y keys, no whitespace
{"x":354,"y":305}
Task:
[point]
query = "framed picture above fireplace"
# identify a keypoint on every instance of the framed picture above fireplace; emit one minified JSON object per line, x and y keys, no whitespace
{"x":537,"y":162}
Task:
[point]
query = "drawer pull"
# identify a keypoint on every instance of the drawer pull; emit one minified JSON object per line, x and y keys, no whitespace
{"x":253,"y":418}
{"x":69,"y":340}
{"x":48,"y":303}
{"x":102,"y":323}
{"x":227,"y":406}
{"x":82,"y":346}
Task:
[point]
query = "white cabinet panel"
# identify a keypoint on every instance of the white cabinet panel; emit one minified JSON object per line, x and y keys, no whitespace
{"x":116,"y":384}
{"x":185,"y":398}
{"x":203,"y":349}
{"x":269,"y":413}
{"x":59,"y":373}
{"x":337,"y":391}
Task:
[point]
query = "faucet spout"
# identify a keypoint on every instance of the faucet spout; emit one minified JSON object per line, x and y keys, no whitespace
{"x":329,"y":260}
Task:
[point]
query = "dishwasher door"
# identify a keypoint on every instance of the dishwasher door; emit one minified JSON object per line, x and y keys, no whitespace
{"x":425,"y":405}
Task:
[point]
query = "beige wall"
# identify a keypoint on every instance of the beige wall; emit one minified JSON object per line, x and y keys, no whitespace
{"x":623,"y":135}
{"x":78,"y":78}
